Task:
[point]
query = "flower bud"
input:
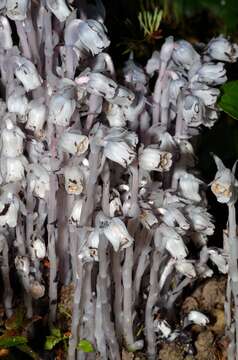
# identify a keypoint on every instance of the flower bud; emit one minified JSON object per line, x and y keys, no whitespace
{"x":39,"y":181}
{"x":17,"y":101}
{"x":17,"y":9}
{"x":221,"y":49}
{"x":38,"y":249}
{"x":27,"y":74}
{"x":89,"y":35}
{"x":76,"y":212}
{"x":73,"y":142}
{"x":59,"y":9}
{"x":153,"y":159}
{"x":36,"y":290}
{"x":5,"y":33}
{"x":61,"y":109}
{"x":153,"y":64}
{"x":198,"y":318}
{"x":212,"y":74}
{"x":36,"y":116}
{"x":12,"y":140}
{"x":74,"y":180}
{"x":184,"y":54}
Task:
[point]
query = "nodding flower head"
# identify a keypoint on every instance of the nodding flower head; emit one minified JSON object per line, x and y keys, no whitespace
{"x":27,"y":74}
{"x":12,"y":140}
{"x":74,"y":180}
{"x":212,"y":74}
{"x":39,"y":180}
{"x":223,"y":50}
{"x":73,"y":142}
{"x":224,"y":186}
{"x":59,"y":8}
{"x":17,"y":9}
{"x":88,"y":36}
{"x":184,"y":54}
{"x":153,"y":159}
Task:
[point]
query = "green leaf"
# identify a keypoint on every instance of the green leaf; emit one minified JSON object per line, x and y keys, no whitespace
{"x":228,"y":101}
{"x":27,"y":350}
{"x":85,"y":346}
{"x":10,"y":341}
{"x":55,"y":332}
{"x":51,"y":341}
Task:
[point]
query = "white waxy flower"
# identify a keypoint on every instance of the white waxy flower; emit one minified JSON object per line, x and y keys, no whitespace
{"x":167,"y":237}
{"x":153,"y":159}
{"x":5,"y":33}
{"x":13,"y":169}
{"x":184,"y":54}
{"x":17,"y":101}
{"x":204,"y":271}
{"x":147,"y":218}
{"x":223,"y":50}
{"x":12,"y":140}
{"x":39,"y":180}
{"x":219,"y":259}
{"x":163,"y":327}
{"x":36,"y":150}
{"x":76,"y":212}
{"x":120,"y":146}
{"x":167,"y":49}
{"x":74,"y":180}
{"x":153,"y":64}
{"x":59,"y":9}
{"x":73,"y":142}
{"x":27,"y":74}
{"x":198,"y":318}
{"x":115,"y":116}
{"x":186,"y":268}
{"x":89,"y":35}
{"x":123,"y":96}
{"x":36,"y":116}
{"x":22,"y":264}
{"x":211,"y":74}
{"x":38,"y":249}
{"x":193,"y":110}
{"x":115,"y":231}
{"x":201,"y":220}
{"x":115,"y":205}
{"x":224,"y":186}
{"x":133,"y":111}
{"x":61,"y":109}
{"x":9,"y":207}
{"x":172,"y":217}
{"x":207,"y":94}
{"x":134,"y":74}
{"x":36,"y":289}
{"x":17,"y":9}
{"x":101,"y":85}
{"x":189,"y":187}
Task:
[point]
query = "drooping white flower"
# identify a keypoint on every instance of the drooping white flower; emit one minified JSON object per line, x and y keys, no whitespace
{"x":168,"y":238}
{"x":115,"y":231}
{"x":184,"y":54}
{"x":201,"y":220}
{"x":27,"y":74}
{"x":189,"y":187}
{"x":17,"y":9}
{"x":221,"y":49}
{"x":17,"y":101}
{"x":186,"y":268}
{"x":36,"y":116}
{"x":13,"y":169}
{"x":73,"y":142}
{"x":115,"y":116}
{"x":61,"y":108}
{"x":172,"y":216}
{"x":123,"y":96}
{"x":224,"y":186}
{"x":38,"y":249}
{"x":211,"y":74}
{"x":207,"y":94}
{"x":89,"y":35}
{"x":198,"y":318}
{"x":134,"y":74}
{"x":153,"y":159}
{"x":5,"y":33}
{"x":12,"y":140}
{"x":59,"y":8}
{"x":74,"y":180}
{"x":101,"y":85}
{"x":39,"y":180}
{"x":153,"y":64}
{"x":119,"y":146}
{"x":219,"y":259}
{"x":133,"y":111}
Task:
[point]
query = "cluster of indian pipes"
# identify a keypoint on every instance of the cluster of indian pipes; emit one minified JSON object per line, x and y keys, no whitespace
{"x":97,"y":176}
